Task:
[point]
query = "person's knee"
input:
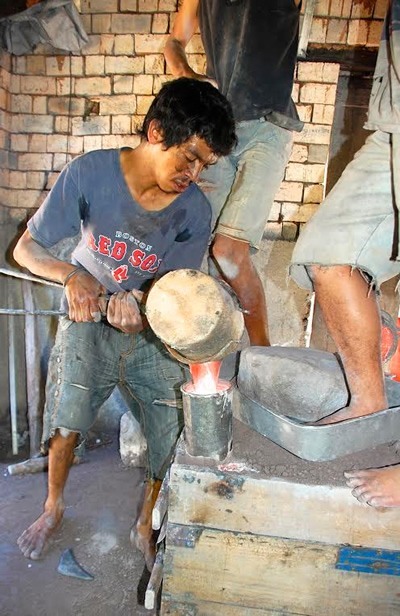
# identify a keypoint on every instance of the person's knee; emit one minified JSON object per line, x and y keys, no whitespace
{"x":64,"y":439}
{"x":319,"y":274}
{"x":230,"y":255}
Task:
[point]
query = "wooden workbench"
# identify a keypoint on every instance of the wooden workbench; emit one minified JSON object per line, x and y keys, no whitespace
{"x":265,"y":532}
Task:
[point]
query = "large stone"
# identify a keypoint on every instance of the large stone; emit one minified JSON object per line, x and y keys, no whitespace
{"x":302,"y":383}
{"x":132,"y":443}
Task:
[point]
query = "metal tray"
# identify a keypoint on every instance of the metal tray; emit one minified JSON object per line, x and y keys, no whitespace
{"x":319,"y":443}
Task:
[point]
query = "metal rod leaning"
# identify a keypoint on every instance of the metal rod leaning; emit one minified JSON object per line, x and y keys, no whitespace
{"x":13,"y":274}
{"x":22,"y":311}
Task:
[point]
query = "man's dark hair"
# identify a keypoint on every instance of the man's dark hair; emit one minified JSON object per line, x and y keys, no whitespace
{"x":186,"y":107}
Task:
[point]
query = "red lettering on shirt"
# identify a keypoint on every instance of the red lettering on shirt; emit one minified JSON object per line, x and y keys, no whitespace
{"x":91,"y":242}
{"x":104,"y":243}
{"x":148,"y":263}
{"x":118,"y":250}
{"x":120,"y":273}
{"x":136,"y":258}
{"x":154,"y":269}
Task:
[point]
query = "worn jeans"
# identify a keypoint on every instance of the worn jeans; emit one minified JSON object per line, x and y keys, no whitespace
{"x":89,"y":360}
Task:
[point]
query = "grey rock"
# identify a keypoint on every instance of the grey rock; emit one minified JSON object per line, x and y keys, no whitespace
{"x":70,"y":567}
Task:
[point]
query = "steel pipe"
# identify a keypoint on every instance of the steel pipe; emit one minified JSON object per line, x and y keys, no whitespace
{"x":14,"y":274}
{"x":23,"y":311}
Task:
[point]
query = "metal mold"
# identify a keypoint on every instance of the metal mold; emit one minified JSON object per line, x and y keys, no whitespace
{"x":319,"y":443}
{"x":208,"y":421}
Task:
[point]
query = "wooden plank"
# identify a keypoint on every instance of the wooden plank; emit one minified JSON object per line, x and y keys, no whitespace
{"x":161,"y":505}
{"x":155,"y":580}
{"x":268,"y":573}
{"x":169,"y":607}
{"x":306,"y":28}
{"x":278,"y":508}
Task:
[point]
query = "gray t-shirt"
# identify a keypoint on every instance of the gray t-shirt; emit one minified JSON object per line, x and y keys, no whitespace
{"x":122,"y":245}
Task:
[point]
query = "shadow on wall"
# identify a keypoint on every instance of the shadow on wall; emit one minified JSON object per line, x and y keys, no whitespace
{"x":348,"y":134}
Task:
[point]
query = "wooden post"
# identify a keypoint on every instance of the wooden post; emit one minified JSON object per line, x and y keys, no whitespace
{"x":306,"y":28}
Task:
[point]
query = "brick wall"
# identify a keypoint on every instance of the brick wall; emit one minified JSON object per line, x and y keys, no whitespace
{"x":55,"y":106}
{"x":303,"y":186}
{"x":5,"y":121}
{"x":341,"y":23}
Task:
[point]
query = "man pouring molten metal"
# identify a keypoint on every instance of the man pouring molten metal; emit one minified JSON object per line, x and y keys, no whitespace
{"x":140,"y":214}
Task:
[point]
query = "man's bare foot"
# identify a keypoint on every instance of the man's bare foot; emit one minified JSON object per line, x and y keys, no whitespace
{"x":377,"y":487}
{"x":34,"y":540}
{"x":346,"y":413}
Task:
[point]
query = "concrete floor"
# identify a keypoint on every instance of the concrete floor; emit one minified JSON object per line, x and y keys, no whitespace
{"x":102,"y":499}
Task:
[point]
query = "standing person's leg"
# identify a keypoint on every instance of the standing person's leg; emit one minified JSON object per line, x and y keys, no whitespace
{"x":377,"y":487}
{"x":34,"y":539}
{"x":344,"y":253}
{"x":154,"y":378}
{"x":236,"y":267}
{"x":258,"y":164}
{"x":352,"y":317}
{"x":77,"y":384}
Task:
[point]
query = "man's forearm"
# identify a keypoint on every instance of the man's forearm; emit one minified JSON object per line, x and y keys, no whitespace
{"x":40,"y":261}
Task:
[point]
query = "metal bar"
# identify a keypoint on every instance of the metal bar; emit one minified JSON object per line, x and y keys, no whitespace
{"x":306,"y":28}
{"x":14,"y":274}
{"x":12,"y":385}
{"x":23,"y":311}
{"x":33,"y":372}
{"x":310,"y":319}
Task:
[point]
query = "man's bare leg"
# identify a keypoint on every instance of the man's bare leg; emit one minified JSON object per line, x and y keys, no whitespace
{"x":234,"y":263}
{"x":378,"y":487}
{"x":142,"y":534}
{"x":33,"y":541}
{"x":352,"y":317}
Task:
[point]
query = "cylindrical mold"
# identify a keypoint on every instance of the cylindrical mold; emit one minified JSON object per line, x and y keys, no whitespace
{"x":196,"y":316}
{"x":208,"y":421}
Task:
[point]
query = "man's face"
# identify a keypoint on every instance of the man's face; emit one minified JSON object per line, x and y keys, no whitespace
{"x":180,"y":165}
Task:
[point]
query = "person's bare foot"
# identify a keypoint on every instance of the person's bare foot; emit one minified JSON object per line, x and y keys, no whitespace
{"x":34,"y":540}
{"x":377,"y":487}
{"x":348,"y":412}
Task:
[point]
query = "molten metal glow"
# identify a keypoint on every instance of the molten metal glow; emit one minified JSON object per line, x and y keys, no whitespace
{"x":205,"y":377}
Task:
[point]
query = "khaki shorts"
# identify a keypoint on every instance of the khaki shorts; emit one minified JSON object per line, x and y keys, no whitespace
{"x":355,"y":224}
{"x":241,"y":187}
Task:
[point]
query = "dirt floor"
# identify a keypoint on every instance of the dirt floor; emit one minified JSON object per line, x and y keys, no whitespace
{"x":102,"y":499}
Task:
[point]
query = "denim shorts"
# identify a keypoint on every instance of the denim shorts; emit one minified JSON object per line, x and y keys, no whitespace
{"x":89,"y":360}
{"x":241,"y":187}
{"x":355,"y":225}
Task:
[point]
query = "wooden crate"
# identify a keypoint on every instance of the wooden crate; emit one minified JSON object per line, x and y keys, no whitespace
{"x":243,"y":541}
